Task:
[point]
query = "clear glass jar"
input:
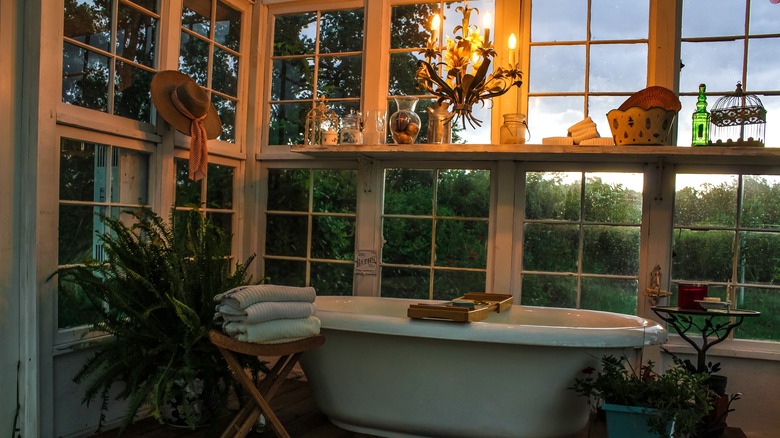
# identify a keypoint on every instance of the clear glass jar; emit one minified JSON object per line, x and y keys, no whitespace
{"x":439,"y":124}
{"x":351,"y":129}
{"x":405,"y":123}
{"x":515,"y":129}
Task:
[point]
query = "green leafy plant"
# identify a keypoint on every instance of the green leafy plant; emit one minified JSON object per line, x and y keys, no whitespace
{"x":153,"y":295}
{"x":676,"y":394}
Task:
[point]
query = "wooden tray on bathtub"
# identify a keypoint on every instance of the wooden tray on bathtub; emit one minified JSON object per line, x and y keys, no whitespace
{"x":473,"y":306}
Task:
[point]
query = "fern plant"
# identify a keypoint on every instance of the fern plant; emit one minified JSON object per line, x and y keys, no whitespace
{"x":154,"y":296}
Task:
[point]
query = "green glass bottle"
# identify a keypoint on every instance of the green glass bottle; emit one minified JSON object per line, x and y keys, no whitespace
{"x":701,"y":120}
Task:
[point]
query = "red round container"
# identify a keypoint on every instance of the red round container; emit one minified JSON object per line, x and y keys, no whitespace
{"x":688,"y":294}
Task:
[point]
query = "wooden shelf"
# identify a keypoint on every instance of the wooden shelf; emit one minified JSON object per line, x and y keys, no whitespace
{"x":538,"y":152}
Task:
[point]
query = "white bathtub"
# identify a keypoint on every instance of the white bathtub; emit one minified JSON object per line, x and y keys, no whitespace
{"x":384,"y":374}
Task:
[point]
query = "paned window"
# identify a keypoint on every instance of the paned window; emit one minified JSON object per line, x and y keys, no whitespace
{"x":210,"y":53}
{"x":213,"y":195}
{"x":726,"y":42}
{"x":109,"y":55}
{"x":435,"y":230}
{"x":586,"y":58}
{"x":96,"y":181}
{"x":315,"y":54}
{"x":410,"y":28}
{"x":727,"y":236}
{"x":310,"y":229}
{"x":581,"y":236}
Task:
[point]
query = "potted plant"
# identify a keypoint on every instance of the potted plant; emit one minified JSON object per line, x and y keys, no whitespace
{"x":154,"y":295}
{"x":675,"y":397}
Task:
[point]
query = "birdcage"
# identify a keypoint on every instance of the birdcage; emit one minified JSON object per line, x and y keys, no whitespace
{"x":738,"y":119}
{"x":322,"y":126}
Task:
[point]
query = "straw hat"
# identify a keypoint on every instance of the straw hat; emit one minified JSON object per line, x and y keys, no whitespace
{"x":194,"y":98}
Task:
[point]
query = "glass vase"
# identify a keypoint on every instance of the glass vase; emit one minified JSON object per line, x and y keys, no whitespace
{"x":405,"y":123}
{"x":439,"y":124}
{"x":514,"y":130}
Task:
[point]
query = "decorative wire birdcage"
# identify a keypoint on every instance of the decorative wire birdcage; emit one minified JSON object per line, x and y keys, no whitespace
{"x":738,"y":119}
{"x":322,"y":125}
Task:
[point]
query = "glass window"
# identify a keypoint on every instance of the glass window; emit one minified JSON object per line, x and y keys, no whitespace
{"x":435,"y":232}
{"x":724,"y":43}
{"x":96,"y":180}
{"x":581,"y":240}
{"x":726,"y":235}
{"x":586,"y":58}
{"x":315,"y":54}
{"x":310,"y":229}
{"x":109,"y":56}
{"x":210,"y":53}
{"x":213,"y":195}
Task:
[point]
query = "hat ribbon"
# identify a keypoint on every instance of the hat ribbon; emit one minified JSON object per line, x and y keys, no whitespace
{"x":198,"y":150}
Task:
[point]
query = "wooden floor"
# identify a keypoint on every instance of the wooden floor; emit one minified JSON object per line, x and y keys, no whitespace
{"x":293,"y":405}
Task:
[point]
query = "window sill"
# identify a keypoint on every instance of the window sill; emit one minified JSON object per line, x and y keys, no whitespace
{"x":739,"y":349}
{"x":536,"y":152}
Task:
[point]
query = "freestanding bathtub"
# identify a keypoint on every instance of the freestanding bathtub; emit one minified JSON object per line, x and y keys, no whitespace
{"x":384,"y":374}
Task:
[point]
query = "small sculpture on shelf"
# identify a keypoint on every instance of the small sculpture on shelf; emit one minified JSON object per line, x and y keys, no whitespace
{"x":738,"y":119}
{"x":654,"y":291}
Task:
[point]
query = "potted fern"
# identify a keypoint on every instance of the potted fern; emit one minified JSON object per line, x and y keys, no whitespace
{"x":643,"y":403}
{"x":153,"y":296}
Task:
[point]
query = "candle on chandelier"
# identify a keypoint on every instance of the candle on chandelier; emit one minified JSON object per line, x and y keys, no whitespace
{"x":435,"y":22}
{"x":512,"y":46}
{"x":487,"y":23}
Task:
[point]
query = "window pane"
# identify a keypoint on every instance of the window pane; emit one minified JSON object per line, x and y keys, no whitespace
{"x":702,"y":58}
{"x":194,"y":58}
{"x":408,"y":191}
{"x":187,"y":190}
{"x":559,"y":20}
{"x":461,"y":244}
{"x":335,"y":191}
{"x":463,"y":193}
{"x":402,"y":81}
{"x":762,"y":61}
{"x":286,"y":272}
{"x":702,"y":255}
{"x":611,"y":20}
{"x":609,"y":295}
{"x":549,"y":290}
{"x":340,"y":76}
{"x":562,"y":67}
{"x":132,"y":98}
{"x":287,"y":122}
{"x":766,"y":301}
{"x":610,"y":250}
{"x":410,"y":25}
{"x":78,"y":226}
{"x":223,"y":221}
{"x":615,"y":67}
{"x":295,"y":34}
{"x":551,"y":116}
{"x":288,"y":190}
{"x":448,"y":285}
{"x":332,"y":278}
{"x":763,"y":17}
{"x":84,"y":78}
{"x":227,"y":29}
{"x":225,"y":78}
{"x":722,"y":18}
{"x":551,"y":248}
{"x":129,"y":177}
{"x":292,"y":79}
{"x":226,"y":108}
{"x":196,"y":15}
{"x":553,"y":195}
{"x":759,"y":261}
{"x":83,"y":173}
{"x":136,"y":36}
{"x":405,"y":283}
{"x":705,"y":200}
{"x":761,"y":202}
{"x":407,"y":241}
{"x":333,"y":238}
{"x":613,"y":197}
{"x":342,"y":31}
{"x":286,"y":235}
{"x":89,"y":22}
{"x":219,"y":186}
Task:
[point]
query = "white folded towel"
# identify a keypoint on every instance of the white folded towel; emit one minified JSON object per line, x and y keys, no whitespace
{"x":585,"y":133}
{"x":244,"y":296}
{"x":584,"y":123}
{"x":267,"y":311}
{"x":558,"y":140}
{"x":274,"y":332}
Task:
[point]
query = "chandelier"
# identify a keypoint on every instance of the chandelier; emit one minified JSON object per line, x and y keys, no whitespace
{"x":465,"y":61}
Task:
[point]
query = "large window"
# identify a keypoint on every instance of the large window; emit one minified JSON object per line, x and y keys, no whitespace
{"x":310,"y":229}
{"x":96,"y":181}
{"x":210,"y":53}
{"x":586,"y":57}
{"x":316,"y":54}
{"x":213,"y":195}
{"x":435,"y":232}
{"x":581,"y":236}
{"x":727,"y":236}
{"x":110,"y":55}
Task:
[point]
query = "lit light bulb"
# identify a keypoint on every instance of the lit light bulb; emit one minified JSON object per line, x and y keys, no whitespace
{"x":487,"y":23}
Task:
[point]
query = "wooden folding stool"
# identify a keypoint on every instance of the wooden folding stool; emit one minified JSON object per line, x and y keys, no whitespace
{"x":261,"y":395}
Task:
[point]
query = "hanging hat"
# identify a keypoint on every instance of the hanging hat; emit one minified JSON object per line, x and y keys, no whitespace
{"x":187,"y":107}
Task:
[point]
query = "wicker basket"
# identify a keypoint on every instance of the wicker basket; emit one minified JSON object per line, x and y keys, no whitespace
{"x":651,"y":97}
{"x":639,"y":126}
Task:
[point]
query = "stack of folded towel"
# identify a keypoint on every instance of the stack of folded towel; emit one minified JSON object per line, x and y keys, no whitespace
{"x":582,"y":133}
{"x":267,"y":313}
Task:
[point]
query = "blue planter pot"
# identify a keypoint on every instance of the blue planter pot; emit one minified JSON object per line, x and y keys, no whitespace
{"x":630,"y":421}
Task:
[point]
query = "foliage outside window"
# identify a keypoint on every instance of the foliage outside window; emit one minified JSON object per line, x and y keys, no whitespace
{"x":210,"y":53}
{"x":733,"y":41}
{"x":315,"y":54}
{"x":586,"y":58}
{"x":410,"y":27}
{"x":110,"y":55}
{"x":310,"y":229}
{"x":96,"y":180}
{"x":727,"y":235}
{"x":212,"y":196}
{"x":435,"y":230}
{"x":581,"y":240}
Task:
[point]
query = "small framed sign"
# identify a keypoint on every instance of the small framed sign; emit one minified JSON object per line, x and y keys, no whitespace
{"x":366,"y":262}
